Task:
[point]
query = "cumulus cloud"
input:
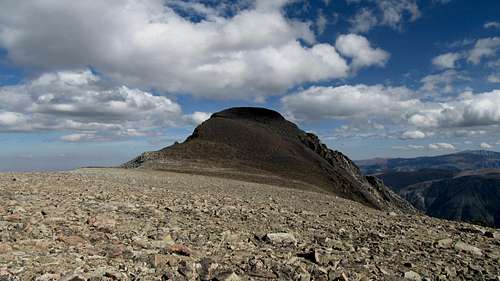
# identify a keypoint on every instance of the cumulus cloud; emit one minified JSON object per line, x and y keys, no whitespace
{"x":396,"y":103}
{"x":441,"y":82}
{"x":492,"y":24}
{"x":472,"y":110}
{"x":441,"y":146}
{"x":494,"y":78}
{"x":409,"y":147}
{"x":485,"y":145}
{"x":79,"y":101}
{"x":10,"y":119}
{"x":391,"y":13}
{"x":363,"y":21}
{"x":360,"y":51}
{"x":321,"y":23}
{"x":413,"y":134}
{"x":413,"y":146}
{"x":354,"y":102}
{"x":486,"y":47}
{"x":398,"y":108}
{"x":394,"y":11}
{"x":196,"y":117}
{"x":78,"y":137}
{"x":442,"y":2}
{"x":447,"y":60}
{"x":253,"y":53}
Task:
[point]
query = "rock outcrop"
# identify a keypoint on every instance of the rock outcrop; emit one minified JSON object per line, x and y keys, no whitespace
{"x":261,"y":145}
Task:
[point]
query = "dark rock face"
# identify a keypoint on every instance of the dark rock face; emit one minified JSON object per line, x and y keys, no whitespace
{"x":256,"y":141}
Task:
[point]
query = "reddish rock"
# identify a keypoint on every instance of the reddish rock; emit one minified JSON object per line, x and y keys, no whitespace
{"x":72,"y":240}
{"x":102,"y":223}
{"x":5,"y":248}
{"x":114,"y":251}
{"x":13,"y":217}
{"x":178,"y":249}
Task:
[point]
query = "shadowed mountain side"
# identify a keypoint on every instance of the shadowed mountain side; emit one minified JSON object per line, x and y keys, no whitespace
{"x":259,"y":144}
{"x":463,"y":186}
{"x":471,"y":198}
{"x":398,"y":180}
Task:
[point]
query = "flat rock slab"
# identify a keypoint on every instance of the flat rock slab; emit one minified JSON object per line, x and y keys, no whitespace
{"x":117,"y":224}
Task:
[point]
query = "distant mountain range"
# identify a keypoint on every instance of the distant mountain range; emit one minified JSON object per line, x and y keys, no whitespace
{"x":461,"y":186}
{"x":465,"y":160}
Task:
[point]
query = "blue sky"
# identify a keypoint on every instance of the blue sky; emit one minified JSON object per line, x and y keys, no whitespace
{"x":98,"y":82}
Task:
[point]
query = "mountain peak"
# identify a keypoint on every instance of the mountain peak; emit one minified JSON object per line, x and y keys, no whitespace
{"x":259,"y":144}
{"x":252,"y":113}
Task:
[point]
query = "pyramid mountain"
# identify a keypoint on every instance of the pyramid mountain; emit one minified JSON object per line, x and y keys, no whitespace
{"x":260,"y":145}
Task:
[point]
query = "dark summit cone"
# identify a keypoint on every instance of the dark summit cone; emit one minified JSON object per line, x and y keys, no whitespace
{"x":258,"y":144}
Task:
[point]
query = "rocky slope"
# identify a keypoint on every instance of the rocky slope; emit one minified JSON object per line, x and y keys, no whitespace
{"x":117,"y":224}
{"x":258,"y":144}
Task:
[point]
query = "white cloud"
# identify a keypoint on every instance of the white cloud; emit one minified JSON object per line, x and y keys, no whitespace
{"x":321,"y":22}
{"x":486,"y":47}
{"x":447,"y":60}
{"x":391,"y":13}
{"x":494,"y":78}
{"x":79,"y":101}
{"x":9,"y":118}
{"x":394,"y":11}
{"x":492,"y":24}
{"x":409,"y":147}
{"x":494,"y":63}
{"x":398,"y":108}
{"x":441,"y":82}
{"x":78,"y":137}
{"x":413,"y":146}
{"x":468,"y":133}
{"x":360,"y":51}
{"x":442,"y":2}
{"x":474,"y":110}
{"x":197,"y":117}
{"x":413,"y":134}
{"x":354,"y":102}
{"x":485,"y":145}
{"x":363,"y":21}
{"x":441,"y":146}
{"x":145,"y":44}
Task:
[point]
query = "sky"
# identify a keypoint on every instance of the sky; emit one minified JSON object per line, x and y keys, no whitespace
{"x":95,"y":83}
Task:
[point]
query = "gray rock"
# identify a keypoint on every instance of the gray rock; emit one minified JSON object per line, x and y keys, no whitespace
{"x":281,"y":238}
{"x":412,"y":275}
{"x":460,"y":246}
{"x":444,"y":243}
{"x":229,"y":277}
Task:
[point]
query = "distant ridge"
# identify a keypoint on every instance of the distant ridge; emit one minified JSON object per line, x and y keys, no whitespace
{"x":261,"y":145}
{"x":463,"y":186}
{"x":463,"y":160}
